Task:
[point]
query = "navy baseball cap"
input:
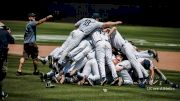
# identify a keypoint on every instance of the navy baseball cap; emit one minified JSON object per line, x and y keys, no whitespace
{"x":31,"y":15}
{"x":146,"y":64}
{"x":96,"y":15}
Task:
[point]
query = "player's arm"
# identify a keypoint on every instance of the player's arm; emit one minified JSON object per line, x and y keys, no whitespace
{"x":109,"y":24}
{"x":43,"y":19}
{"x":119,"y":68}
{"x":78,"y":23}
{"x":112,"y":30}
{"x":151,"y":76}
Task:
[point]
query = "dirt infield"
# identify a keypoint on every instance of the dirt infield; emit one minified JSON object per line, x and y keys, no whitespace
{"x":168,"y":60}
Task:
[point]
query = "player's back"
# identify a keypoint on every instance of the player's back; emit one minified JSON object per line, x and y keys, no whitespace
{"x":88,"y":25}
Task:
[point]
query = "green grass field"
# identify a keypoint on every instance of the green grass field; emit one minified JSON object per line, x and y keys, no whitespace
{"x":160,"y":38}
{"x":30,"y":88}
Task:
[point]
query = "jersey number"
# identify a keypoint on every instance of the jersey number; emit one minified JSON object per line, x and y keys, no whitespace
{"x":87,"y":22}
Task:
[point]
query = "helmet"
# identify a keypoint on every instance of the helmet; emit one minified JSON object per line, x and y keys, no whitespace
{"x":96,"y":15}
{"x":146,"y":64}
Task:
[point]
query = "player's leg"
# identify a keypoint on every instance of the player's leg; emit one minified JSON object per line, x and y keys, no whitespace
{"x":78,"y":65}
{"x":86,"y":70}
{"x":100,"y":56}
{"x":131,"y":57}
{"x":95,"y":71}
{"x":21,"y":63}
{"x":144,"y":54}
{"x":78,"y":49}
{"x":34,"y":55}
{"x":82,"y":54}
{"x":163,"y":78}
{"x":127,"y":80}
{"x":76,"y":39}
{"x":137,"y":66}
{"x":108,"y":59}
{"x":160,"y":74}
{"x":54,"y":52}
{"x":111,"y":66}
{"x":25,"y":56}
{"x":68,"y":67}
{"x":35,"y":64}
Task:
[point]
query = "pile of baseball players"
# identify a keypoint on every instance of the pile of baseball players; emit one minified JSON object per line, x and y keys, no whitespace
{"x":95,"y":53}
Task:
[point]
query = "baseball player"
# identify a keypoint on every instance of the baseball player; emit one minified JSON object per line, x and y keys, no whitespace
{"x":57,"y":51}
{"x":119,"y":43}
{"x":30,"y":46}
{"x":103,"y":54}
{"x":149,"y":66}
{"x":142,"y":54}
{"x":85,"y":44}
{"x":90,"y":71}
{"x":75,"y":67}
{"x":45,"y":60}
{"x":122,"y":68}
{"x":85,"y":27}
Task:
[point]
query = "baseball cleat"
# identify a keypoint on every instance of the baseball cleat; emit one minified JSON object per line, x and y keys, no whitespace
{"x":156,"y":81}
{"x":115,"y":81}
{"x":103,"y":81}
{"x":90,"y":81}
{"x":36,"y":73}
{"x":49,"y":85}
{"x":19,"y":73}
{"x":175,"y":85}
{"x":42,"y":77}
{"x":142,"y":84}
{"x":43,"y":61}
{"x":4,"y":95}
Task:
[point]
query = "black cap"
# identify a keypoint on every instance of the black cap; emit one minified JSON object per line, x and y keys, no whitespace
{"x":96,"y":15}
{"x":31,"y":15}
{"x":146,"y":64}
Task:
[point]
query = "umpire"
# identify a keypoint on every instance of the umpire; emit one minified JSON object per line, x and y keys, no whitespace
{"x":5,"y":39}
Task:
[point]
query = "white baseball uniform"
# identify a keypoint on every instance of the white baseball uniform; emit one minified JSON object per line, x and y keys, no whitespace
{"x":103,"y":52}
{"x":57,"y":51}
{"x":125,"y":66}
{"x":79,"y":64}
{"x":91,"y":68}
{"x":81,"y":51}
{"x":86,"y":26}
{"x":141,"y":54}
{"x":119,"y":43}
